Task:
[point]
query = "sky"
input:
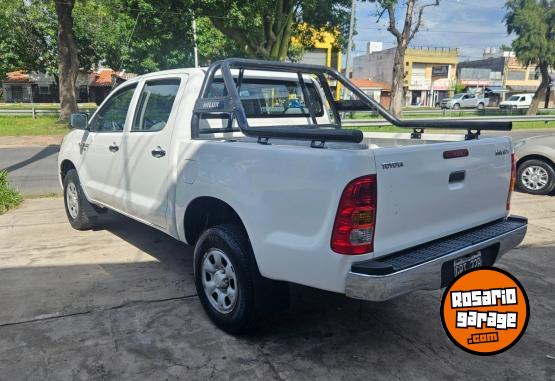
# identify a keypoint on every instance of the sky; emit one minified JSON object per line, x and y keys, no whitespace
{"x":470,"y":25}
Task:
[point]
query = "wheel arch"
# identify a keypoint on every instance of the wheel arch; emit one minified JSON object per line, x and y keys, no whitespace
{"x":65,"y":166}
{"x":206,"y":211}
{"x":540,"y":157}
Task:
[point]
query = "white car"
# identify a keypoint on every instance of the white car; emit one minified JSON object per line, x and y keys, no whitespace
{"x":247,"y":161}
{"x":517,"y":101}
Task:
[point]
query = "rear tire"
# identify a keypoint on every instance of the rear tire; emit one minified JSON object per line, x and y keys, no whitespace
{"x":228,"y":282}
{"x":481,"y":106}
{"x":536,"y":177}
{"x":79,"y":211}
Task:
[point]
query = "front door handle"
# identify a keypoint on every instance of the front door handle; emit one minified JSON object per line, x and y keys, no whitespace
{"x":113,"y":147}
{"x":158,"y":152}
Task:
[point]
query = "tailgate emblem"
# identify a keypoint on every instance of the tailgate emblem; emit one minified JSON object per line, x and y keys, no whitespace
{"x":501,"y":152}
{"x":392,"y":165}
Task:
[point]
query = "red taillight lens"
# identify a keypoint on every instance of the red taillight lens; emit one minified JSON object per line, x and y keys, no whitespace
{"x":512,"y":181}
{"x":353,"y":230}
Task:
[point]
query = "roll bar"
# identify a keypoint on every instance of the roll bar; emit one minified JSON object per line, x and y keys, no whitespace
{"x":230,"y":106}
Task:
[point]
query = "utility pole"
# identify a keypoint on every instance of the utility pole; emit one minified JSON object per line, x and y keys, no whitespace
{"x":350,"y":43}
{"x":195,"y":48}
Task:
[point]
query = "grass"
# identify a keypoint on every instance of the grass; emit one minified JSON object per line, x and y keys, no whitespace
{"x":9,"y":197}
{"x":27,"y":126}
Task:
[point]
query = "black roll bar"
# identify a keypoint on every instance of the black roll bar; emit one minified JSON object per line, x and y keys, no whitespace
{"x":230,"y":106}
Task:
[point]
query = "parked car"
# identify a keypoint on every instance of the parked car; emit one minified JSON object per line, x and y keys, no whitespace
{"x":536,"y":164}
{"x":270,"y":193}
{"x":517,"y":101}
{"x":464,"y":100}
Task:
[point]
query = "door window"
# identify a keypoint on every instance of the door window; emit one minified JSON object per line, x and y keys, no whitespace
{"x":155,"y":105}
{"x":111,"y":117}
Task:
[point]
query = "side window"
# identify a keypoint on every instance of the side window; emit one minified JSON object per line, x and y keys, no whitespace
{"x":522,"y":99}
{"x":155,"y":105}
{"x":268,"y":98}
{"x":111,"y":117}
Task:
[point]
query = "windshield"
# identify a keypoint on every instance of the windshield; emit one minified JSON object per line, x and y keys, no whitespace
{"x":458,"y":95}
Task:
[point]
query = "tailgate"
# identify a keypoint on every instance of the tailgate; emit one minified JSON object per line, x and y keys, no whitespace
{"x":422,"y":196}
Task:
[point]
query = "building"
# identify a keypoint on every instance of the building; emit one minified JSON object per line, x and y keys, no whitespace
{"x":30,"y":87}
{"x":324,"y":51}
{"x":429,"y":72}
{"x":498,"y":75}
{"x":380,"y":91}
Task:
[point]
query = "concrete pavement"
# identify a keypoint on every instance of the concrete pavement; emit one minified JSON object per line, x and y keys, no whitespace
{"x":119,"y":303}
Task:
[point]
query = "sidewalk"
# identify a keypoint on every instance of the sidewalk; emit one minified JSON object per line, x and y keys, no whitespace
{"x":29,"y":141}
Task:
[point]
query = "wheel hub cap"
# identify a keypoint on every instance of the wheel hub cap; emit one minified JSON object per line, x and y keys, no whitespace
{"x":534,"y":177}
{"x":72,"y":200}
{"x":219,"y":280}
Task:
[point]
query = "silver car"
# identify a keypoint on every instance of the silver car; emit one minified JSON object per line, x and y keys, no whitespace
{"x":536,"y":164}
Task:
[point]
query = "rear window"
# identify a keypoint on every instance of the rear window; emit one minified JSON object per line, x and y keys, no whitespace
{"x":264,"y":98}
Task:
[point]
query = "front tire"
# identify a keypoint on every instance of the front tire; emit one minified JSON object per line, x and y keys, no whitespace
{"x":79,"y":211}
{"x":456,"y":106}
{"x":536,"y":177}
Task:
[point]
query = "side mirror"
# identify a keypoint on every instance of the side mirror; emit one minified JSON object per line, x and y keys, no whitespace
{"x":79,"y":121}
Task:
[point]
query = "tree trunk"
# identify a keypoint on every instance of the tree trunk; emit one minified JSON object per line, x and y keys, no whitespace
{"x":539,"y":95}
{"x":68,"y":62}
{"x":398,"y":85}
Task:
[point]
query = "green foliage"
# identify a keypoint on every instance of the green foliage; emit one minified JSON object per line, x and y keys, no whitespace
{"x":459,"y":87}
{"x":263,"y":28}
{"x":213,"y":44}
{"x":533,"y":22}
{"x":135,"y":35}
{"x":9,"y":197}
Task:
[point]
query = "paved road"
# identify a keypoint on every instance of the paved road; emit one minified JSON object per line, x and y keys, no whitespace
{"x":33,"y":169}
{"x":119,"y":303}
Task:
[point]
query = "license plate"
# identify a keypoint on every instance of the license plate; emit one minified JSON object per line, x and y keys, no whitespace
{"x":466,"y":263}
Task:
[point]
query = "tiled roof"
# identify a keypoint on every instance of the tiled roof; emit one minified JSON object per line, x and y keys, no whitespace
{"x":19,"y":76}
{"x":364,"y":83}
{"x":103,"y":77}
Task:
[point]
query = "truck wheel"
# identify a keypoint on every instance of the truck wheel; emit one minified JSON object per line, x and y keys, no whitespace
{"x":456,"y":106}
{"x":481,"y":106}
{"x":536,"y":177}
{"x":79,"y":211}
{"x":224,"y":278}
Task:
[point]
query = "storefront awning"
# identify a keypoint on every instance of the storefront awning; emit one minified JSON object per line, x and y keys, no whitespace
{"x":496,"y":89}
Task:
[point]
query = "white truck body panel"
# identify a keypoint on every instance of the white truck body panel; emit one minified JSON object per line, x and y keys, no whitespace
{"x":287,"y":193}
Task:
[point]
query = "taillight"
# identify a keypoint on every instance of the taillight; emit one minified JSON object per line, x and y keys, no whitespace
{"x":512,"y":182}
{"x":353,"y":230}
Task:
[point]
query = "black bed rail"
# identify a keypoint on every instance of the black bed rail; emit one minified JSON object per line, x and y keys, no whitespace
{"x":230,"y":106}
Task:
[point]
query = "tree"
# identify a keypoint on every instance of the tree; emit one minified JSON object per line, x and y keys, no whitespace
{"x":68,"y":62}
{"x":533,"y":21}
{"x":413,"y":20}
{"x":263,"y":28}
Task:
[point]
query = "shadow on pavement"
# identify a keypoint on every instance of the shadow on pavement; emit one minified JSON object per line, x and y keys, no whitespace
{"x":45,"y":152}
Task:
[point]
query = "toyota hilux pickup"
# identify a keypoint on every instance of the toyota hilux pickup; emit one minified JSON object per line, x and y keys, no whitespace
{"x":247,"y":161}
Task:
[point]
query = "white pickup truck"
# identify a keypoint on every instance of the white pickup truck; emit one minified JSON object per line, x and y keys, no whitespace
{"x":247,"y":161}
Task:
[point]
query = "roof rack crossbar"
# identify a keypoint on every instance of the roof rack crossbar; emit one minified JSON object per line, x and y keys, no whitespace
{"x":231,"y":105}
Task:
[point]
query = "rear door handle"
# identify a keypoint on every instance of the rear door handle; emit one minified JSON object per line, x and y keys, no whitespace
{"x":113,"y":147}
{"x":158,"y":152}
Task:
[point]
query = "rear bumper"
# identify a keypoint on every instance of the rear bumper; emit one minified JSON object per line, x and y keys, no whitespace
{"x":430,"y":266}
